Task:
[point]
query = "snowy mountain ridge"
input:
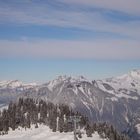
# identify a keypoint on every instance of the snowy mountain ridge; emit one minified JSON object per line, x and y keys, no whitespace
{"x":122,"y":86}
{"x":130,"y":80}
{"x":14,"y":84}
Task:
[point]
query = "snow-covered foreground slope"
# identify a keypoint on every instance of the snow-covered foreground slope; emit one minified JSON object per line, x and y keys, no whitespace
{"x":43,"y":133}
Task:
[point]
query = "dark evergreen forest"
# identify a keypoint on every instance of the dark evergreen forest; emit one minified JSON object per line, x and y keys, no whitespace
{"x":28,"y":111}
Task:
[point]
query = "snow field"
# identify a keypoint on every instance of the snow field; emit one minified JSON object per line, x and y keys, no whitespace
{"x":43,"y":133}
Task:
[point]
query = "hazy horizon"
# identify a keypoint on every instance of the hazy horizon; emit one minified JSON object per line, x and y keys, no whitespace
{"x":43,"y":71}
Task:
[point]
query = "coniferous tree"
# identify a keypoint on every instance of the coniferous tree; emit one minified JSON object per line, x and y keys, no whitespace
{"x":88,"y":130}
{"x":28,"y":121}
{"x":61,"y":123}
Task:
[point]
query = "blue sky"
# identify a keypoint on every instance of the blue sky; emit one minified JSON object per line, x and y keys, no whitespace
{"x":41,"y":39}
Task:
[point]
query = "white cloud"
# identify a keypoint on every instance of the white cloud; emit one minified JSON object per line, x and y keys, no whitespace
{"x":105,"y":49}
{"x":93,"y":21}
{"x":127,"y":6}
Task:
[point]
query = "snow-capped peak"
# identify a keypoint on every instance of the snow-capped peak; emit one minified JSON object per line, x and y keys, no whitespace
{"x":62,"y":78}
{"x":135,"y":73}
{"x":66,"y":79}
{"x":11,"y":83}
{"x":122,"y":86}
{"x":81,"y":78}
{"x":15,"y":84}
{"x":58,"y":80}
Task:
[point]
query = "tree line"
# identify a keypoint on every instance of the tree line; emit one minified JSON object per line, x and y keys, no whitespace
{"x":28,"y":111}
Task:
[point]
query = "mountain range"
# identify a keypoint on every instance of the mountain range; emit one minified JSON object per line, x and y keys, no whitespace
{"x":114,"y":100}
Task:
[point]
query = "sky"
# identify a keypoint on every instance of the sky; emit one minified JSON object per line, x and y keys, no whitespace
{"x":42,"y":39}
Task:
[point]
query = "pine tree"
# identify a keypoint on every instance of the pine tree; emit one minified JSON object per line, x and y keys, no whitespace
{"x":28,"y":121}
{"x":61,"y":123}
{"x":88,"y":130}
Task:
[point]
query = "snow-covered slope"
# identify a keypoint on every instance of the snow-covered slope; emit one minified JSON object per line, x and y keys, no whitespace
{"x":125,"y":86}
{"x":43,"y":133}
